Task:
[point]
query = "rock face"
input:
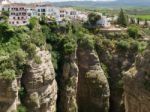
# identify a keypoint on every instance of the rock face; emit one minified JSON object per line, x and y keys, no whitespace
{"x":116,"y":62}
{"x":93,"y":88}
{"x":68,"y":83}
{"x":137,"y":85}
{"x":8,"y":95}
{"x":40,"y":85}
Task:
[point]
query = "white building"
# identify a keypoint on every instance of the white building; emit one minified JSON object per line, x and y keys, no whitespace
{"x":71,"y":13}
{"x":82,"y":16}
{"x":31,"y":10}
{"x":4,"y":5}
{"x":18,"y":14}
{"x":104,"y":22}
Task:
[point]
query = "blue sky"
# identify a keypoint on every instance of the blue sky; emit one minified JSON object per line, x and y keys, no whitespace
{"x":57,"y":0}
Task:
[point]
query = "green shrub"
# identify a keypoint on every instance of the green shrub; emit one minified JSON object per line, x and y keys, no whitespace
{"x":133,"y":31}
{"x":30,"y":48}
{"x":93,"y":18}
{"x":86,"y":42}
{"x":69,"y":45}
{"x":33,"y":22}
{"x":22,"y":93}
{"x":37,"y":60}
{"x":123,"y":45}
{"x":21,"y":109}
{"x":55,"y":59}
{"x":8,"y":74}
{"x":6,"y":32}
{"x":105,"y":69}
{"x":134,"y":45}
{"x":142,"y":46}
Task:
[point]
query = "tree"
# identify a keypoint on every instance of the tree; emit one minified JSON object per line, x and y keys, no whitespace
{"x":122,"y":19}
{"x":133,"y":31}
{"x":6,"y":31}
{"x":138,"y":21}
{"x":33,"y":22}
{"x":132,"y":21}
{"x":146,"y":23}
{"x":93,"y":18}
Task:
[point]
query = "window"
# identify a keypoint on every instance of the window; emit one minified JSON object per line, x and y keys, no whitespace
{"x":43,"y":10}
{"x":29,"y":14}
{"x":61,"y":15}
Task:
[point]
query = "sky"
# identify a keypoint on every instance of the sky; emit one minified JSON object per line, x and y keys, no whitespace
{"x":58,"y":0}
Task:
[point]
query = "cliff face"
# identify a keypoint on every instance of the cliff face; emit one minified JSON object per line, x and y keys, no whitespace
{"x":8,"y":95}
{"x":116,"y":62}
{"x":68,"y":83}
{"x":40,"y":85}
{"x":93,"y":88}
{"x":136,"y":85}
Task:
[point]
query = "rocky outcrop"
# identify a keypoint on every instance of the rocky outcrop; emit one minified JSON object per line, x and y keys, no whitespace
{"x":40,"y":85}
{"x":93,"y":88}
{"x":8,"y":95}
{"x":116,"y":61}
{"x":137,"y":85}
{"x":68,"y":85}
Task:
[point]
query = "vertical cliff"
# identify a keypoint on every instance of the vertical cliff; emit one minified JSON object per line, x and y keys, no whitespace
{"x":137,"y":85}
{"x":93,"y":88}
{"x":40,"y":84}
{"x":116,"y":58}
{"x":68,"y":82}
{"x":8,"y":95}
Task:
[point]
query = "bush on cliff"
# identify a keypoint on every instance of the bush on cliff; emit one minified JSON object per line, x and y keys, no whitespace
{"x":17,"y":45}
{"x":133,"y":31}
{"x":68,"y":45}
{"x":86,"y":41}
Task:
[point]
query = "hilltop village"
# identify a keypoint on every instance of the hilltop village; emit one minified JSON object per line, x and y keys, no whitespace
{"x":20,"y":13}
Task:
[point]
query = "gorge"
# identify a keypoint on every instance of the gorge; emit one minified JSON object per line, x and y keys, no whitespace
{"x":50,"y":68}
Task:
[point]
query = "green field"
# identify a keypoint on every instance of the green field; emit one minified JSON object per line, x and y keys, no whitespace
{"x":142,"y":17}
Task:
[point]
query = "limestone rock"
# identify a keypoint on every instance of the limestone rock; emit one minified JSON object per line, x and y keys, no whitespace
{"x":68,"y":83}
{"x":93,"y":88}
{"x":136,"y":90}
{"x":40,"y":84}
{"x":8,"y":95}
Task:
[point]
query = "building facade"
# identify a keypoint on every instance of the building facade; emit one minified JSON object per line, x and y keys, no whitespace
{"x":18,"y":15}
{"x":103,"y":22}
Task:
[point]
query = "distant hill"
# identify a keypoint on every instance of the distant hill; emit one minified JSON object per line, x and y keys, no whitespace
{"x":112,"y":4}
